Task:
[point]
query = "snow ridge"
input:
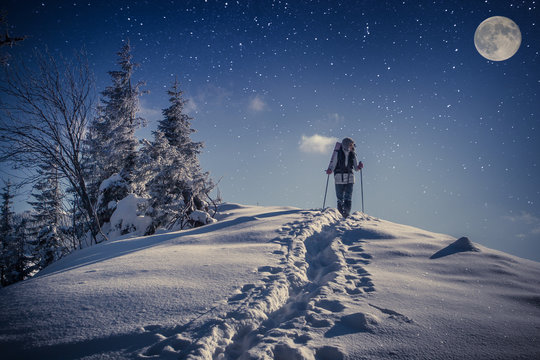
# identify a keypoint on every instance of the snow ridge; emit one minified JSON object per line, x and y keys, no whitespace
{"x":323,"y":268}
{"x":279,"y":283}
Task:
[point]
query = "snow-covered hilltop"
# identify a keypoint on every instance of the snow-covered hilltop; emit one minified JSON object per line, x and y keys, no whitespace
{"x":278,"y":283}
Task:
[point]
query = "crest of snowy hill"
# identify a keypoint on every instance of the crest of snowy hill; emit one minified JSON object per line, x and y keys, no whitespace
{"x":278,"y":283}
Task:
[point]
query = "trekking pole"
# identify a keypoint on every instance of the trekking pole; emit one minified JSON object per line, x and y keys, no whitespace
{"x":324,"y":202}
{"x":362,"y":189}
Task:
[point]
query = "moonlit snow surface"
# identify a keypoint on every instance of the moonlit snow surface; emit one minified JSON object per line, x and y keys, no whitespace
{"x":278,"y":283}
{"x":497,"y":38}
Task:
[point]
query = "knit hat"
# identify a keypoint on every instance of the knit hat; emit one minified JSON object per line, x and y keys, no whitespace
{"x":346,"y":143}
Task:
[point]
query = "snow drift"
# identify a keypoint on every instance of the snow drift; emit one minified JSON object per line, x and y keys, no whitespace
{"x":278,"y":283}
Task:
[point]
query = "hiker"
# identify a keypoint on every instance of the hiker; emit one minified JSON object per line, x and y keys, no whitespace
{"x":343,"y":163}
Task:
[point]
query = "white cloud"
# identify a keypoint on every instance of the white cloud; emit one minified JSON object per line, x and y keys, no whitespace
{"x":523,"y":217}
{"x":257,"y":104}
{"x":317,"y":144}
{"x":191,"y":106}
{"x":536,"y":231}
{"x":148,"y":113}
{"x":527,"y":222}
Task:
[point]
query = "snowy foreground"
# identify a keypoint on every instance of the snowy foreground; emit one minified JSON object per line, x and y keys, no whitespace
{"x":278,"y":283}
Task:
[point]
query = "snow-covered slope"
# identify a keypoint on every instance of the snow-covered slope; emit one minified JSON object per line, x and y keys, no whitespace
{"x":278,"y":283}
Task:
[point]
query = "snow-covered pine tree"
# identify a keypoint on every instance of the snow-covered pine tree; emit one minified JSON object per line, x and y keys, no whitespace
{"x":15,"y":257}
{"x":6,"y":215}
{"x":99,"y":166}
{"x":7,"y":233}
{"x":95,"y":159}
{"x":174,"y":180}
{"x":19,"y":251}
{"x":78,"y":222}
{"x":119,"y":111}
{"x":49,"y":220}
{"x":176,"y":128}
{"x":111,"y":145}
{"x":176,"y":125}
{"x":166,"y":173}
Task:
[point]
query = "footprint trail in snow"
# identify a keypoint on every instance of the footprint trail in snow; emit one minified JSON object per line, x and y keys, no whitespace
{"x":320,"y":290}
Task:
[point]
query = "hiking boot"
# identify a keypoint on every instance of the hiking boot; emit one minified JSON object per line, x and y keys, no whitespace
{"x":346,"y":208}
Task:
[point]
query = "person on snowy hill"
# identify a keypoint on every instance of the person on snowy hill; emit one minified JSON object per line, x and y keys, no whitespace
{"x":343,"y":163}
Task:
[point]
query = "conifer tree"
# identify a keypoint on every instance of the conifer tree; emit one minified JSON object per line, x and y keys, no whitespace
{"x":6,"y":215}
{"x":170,"y":166}
{"x":15,"y":257}
{"x":118,"y":120}
{"x":78,"y":222}
{"x":6,"y":233}
{"x":49,"y":218}
{"x":19,"y":252}
{"x":176,"y":125}
{"x":111,"y":145}
{"x":176,"y":128}
{"x":94,"y":157}
{"x":166,"y":175}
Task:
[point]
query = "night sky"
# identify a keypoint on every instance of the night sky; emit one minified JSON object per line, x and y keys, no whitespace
{"x":450,"y":140}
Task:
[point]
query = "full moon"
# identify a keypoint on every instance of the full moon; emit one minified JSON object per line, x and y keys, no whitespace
{"x":497,"y":38}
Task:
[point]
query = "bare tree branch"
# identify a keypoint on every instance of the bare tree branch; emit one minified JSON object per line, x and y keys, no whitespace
{"x":45,"y":109}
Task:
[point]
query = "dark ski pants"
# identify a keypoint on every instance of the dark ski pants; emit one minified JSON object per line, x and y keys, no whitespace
{"x":344,"y":196}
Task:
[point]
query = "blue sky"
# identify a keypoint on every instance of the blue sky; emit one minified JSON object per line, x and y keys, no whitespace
{"x":449,"y":139}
